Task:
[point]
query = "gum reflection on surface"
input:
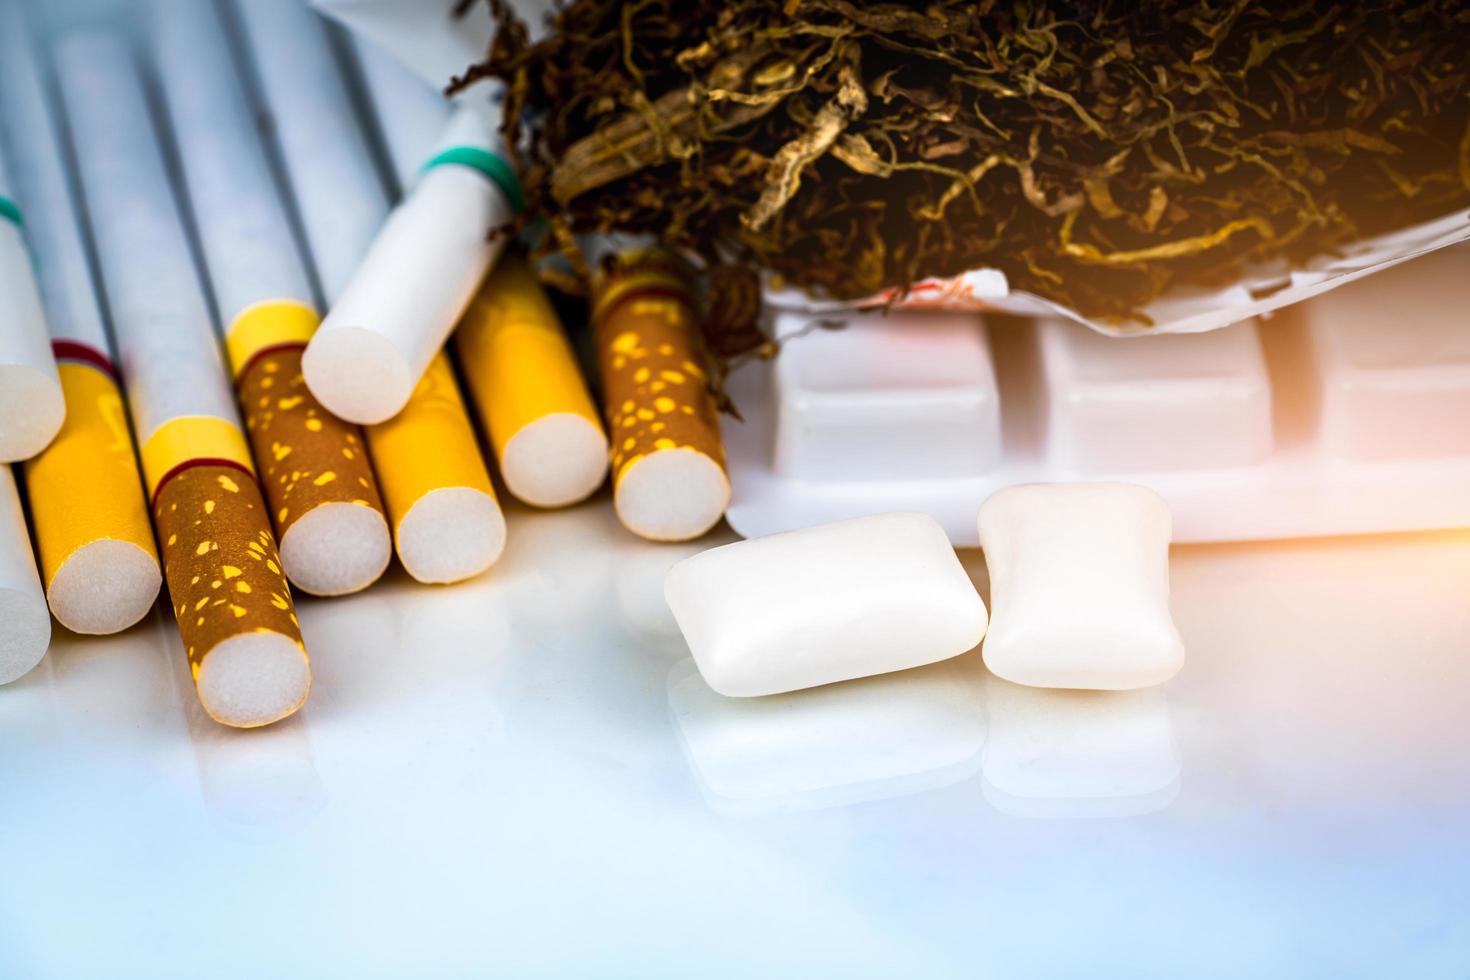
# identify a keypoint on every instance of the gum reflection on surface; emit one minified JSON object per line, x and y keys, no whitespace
{"x":1039,"y":753}
{"x":1079,"y":753}
{"x":875,"y":738}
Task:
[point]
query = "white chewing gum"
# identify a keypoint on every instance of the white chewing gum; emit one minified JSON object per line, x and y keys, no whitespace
{"x":824,"y":604}
{"x":1079,"y":586}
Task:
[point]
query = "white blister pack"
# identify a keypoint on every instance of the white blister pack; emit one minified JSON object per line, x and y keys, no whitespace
{"x":1347,"y":413}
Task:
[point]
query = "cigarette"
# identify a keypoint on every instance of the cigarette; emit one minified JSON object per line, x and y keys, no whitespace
{"x":25,"y":626}
{"x":225,"y":582}
{"x":447,"y":524}
{"x":523,"y":377}
{"x":668,"y":460}
{"x":32,"y":405}
{"x":419,"y":275}
{"x":323,"y":498}
{"x":327,"y":160}
{"x":98,"y":559}
{"x":410,"y":113}
{"x":95,"y":544}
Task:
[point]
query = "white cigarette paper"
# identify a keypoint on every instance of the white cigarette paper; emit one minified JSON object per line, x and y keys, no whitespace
{"x":824,"y":604}
{"x":32,"y":141}
{"x":411,"y":114}
{"x":25,"y":624}
{"x":170,"y":356}
{"x":32,"y":407}
{"x":418,"y":277}
{"x":1079,"y":586}
{"x":249,"y":251}
{"x":328,"y":162}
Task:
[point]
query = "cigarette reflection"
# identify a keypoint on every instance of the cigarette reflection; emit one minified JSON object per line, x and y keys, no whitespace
{"x":261,"y":783}
{"x":1078,"y":753}
{"x":354,"y":642}
{"x":547,"y":592}
{"x":123,"y":685}
{"x":875,"y":738}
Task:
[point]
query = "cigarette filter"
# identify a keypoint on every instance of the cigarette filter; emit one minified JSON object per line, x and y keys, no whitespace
{"x":31,"y":403}
{"x":98,"y":562}
{"x":319,"y":482}
{"x":97,"y":555}
{"x":323,"y":498}
{"x":668,"y":460}
{"x":524,"y":379}
{"x":25,"y":627}
{"x":224,"y":575}
{"x":418,"y":277}
{"x":447,"y":524}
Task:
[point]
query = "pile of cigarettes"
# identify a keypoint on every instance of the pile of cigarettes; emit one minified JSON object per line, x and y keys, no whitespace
{"x":296,"y":414}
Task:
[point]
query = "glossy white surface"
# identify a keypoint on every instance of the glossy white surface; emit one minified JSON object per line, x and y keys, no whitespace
{"x":511,"y":777}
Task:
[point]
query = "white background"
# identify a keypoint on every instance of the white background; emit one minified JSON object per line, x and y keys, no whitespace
{"x":512,"y":777}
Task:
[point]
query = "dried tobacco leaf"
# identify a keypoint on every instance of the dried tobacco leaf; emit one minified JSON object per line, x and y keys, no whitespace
{"x":1097,"y":152}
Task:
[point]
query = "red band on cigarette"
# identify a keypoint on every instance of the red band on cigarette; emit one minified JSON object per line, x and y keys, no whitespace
{"x":71,"y":350}
{"x":272,"y":349}
{"x":189,"y":464}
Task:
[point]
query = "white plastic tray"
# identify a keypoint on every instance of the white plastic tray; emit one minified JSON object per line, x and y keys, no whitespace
{"x":1348,"y":413}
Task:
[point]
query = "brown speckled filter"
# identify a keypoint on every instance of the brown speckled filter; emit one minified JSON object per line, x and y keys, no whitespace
{"x":306,"y":455}
{"x":654,"y":382}
{"x":224,"y":575}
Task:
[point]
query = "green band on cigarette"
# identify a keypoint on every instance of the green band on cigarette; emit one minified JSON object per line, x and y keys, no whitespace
{"x":489,"y":164}
{"x":11,"y":213}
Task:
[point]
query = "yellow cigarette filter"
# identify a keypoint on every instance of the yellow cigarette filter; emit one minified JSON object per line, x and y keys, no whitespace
{"x":224,"y":573}
{"x":447,"y":524}
{"x":523,"y":378}
{"x":98,"y":562}
{"x":668,"y":458}
{"x":323,"y":497}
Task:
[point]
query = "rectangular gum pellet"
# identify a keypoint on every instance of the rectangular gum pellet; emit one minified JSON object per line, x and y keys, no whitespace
{"x":1079,"y":581}
{"x":1165,"y":402}
{"x":1388,"y":359}
{"x":825,"y":604}
{"x":896,"y":396}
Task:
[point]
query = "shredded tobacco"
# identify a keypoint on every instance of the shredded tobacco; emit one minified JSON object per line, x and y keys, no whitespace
{"x":1098,"y":153}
